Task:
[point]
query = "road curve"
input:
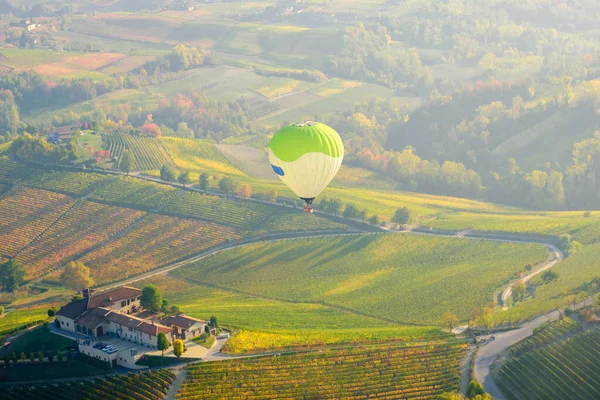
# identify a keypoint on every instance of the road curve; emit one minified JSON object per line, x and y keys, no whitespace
{"x":489,"y":353}
{"x":556,"y":257}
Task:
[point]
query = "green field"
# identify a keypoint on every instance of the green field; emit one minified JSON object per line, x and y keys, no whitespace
{"x":560,"y":361}
{"x":577,"y":279}
{"x":407,"y":279}
{"x":149,"y":153}
{"x":268,"y":324}
{"x":14,"y":321}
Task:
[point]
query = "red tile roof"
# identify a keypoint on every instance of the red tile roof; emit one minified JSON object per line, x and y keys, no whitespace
{"x":181,"y":321}
{"x":111,"y":296}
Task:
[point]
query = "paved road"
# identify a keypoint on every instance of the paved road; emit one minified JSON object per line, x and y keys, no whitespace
{"x":489,"y":353}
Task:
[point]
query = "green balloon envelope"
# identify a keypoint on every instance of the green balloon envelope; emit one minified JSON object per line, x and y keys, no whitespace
{"x":306,"y":157}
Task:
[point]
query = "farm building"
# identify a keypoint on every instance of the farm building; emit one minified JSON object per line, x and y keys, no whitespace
{"x":110,"y":317}
{"x":124,"y":300}
{"x":58,"y":135}
{"x":184,"y":327}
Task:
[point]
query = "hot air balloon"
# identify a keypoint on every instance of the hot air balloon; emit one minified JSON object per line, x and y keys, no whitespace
{"x":306,"y":157}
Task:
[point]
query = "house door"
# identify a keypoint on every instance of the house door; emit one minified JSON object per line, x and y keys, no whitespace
{"x":114,"y":363}
{"x":99,"y":331}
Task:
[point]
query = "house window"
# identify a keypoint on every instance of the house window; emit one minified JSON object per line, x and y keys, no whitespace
{"x":139,"y":298}
{"x":123,"y":303}
{"x":62,"y":322}
{"x":128,"y":302}
{"x":67,"y":324}
{"x":79,"y":328}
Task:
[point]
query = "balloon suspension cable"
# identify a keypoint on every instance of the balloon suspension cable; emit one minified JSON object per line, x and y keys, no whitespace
{"x":307,"y":200}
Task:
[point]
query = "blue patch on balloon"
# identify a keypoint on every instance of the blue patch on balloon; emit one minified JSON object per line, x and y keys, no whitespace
{"x":278,"y":170}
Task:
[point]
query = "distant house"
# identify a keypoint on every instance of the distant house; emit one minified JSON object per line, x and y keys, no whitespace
{"x":31,"y":27}
{"x":184,"y":327}
{"x":59,"y":135}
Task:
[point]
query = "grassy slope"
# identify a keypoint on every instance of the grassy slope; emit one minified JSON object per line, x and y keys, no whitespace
{"x":575,"y":276}
{"x":410,"y":279}
{"x":268,"y":324}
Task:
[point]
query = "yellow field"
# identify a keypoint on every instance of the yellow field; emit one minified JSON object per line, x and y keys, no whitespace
{"x":197,"y":155}
{"x":277,"y":87}
{"x":335,"y":86}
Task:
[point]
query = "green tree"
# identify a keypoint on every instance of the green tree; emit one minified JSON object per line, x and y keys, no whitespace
{"x":226,"y":186}
{"x":374,"y":220}
{"x":12,"y":275}
{"x":167,"y":173}
{"x":162,"y":343}
{"x":178,"y":348}
{"x":549,"y":276}
{"x":52,"y":312}
{"x":1,"y":311}
{"x":362,"y":215}
{"x":519,"y":291}
{"x":528,"y":268}
{"x":351,"y":211}
{"x":184,"y":178}
{"x":32,"y":357}
{"x":76,"y":297}
{"x":174,"y":309}
{"x":14,"y":357}
{"x":475,"y":389}
{"x":59,"y":355}
{"x":203,"y":181}
{"x":50,"y":356}
{"x":40,"y":356}
{"x":213,"y":322}
{"x":23,"y":356}
{"x":450,"y":320}
{"x":151,"y":298}
{"x":127,"y":161}
{"x":76,"y":276}
{"x":402,"y":216}
{"x":335,"y":206}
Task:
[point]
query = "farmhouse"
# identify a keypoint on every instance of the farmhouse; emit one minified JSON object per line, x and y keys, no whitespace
{"x":184,"y":327}
{"x":58,"y":135}
{"x":109,"y":317}
{"x":78,"y":316}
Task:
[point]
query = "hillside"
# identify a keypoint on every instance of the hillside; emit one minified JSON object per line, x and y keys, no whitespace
{"x":417,"y":278}
{"x":563,"y":353}
{"x":94,"y":218}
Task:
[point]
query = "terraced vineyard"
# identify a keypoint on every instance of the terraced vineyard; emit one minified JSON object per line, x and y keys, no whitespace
{"x":5,"y":148}
{"x":258,"y":141}
{"x":558,"y":362}
{"x":134,"y":192}
{"x":387,"y":371}
{"x":245,"y":215}
{"x":19,"y":225}
{"x":528,"y":136}
{"x":197,"y":155}
{"x":408,"y":278}
{"x":154,"y":241}
{"x":133,"y":386}
{"x":11,"y":172}
{"x":148,"y":152}
{"x":78,"y":183}
{"x":86,"y":225}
